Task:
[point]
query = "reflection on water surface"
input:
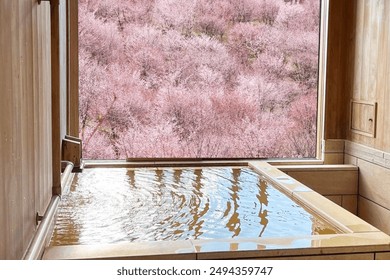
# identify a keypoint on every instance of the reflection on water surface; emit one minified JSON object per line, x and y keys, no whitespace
{"x":118,"y":204}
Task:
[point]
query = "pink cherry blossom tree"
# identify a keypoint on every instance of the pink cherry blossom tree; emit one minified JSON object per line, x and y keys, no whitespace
{"x":198,"y":78}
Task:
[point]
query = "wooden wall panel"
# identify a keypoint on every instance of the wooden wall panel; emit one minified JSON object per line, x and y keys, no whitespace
{"x":328,"y":182}
{"x":374,"y":214}
{"x":339,"y":183}
{"x":25,"y":126}
{"x":374,"y":183}
{"x":374,"y":178}
{"x":359,"y":69}
{"x":73,"y":69}
{"x":371,"y":72}
{"x":59,"y":86}
{"x":42,"y":87}
{"x":340,"y":59}
{"x":5,"y":111}
{"x":63,"y":67}
{"x":367,"y":65}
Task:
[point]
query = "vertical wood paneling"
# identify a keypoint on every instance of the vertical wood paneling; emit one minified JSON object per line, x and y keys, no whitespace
{"x":363,"y":78}
{"x":56,"y":92}
{"x":340,"y":58}
{"x":27,"y":122}
{"x":73,"y":69}
{"x":42,"y":87}
{"x":5,"y":111}
{"x":63,"y":66}
{"x":24,"y":127}
{"x":358,"y":68}
{"x":59,"y":86}
{"x":385,"y":89}
{"x":370,"y":76}
{"x":47,"y":84}
{"x":358,"y":42}
{"x":13,"y":237}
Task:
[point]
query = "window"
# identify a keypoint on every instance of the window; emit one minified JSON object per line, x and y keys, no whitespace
{"x":199,"y":78}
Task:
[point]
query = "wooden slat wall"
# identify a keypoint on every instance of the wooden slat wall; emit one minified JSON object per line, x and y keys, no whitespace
{"x":25,"y":123}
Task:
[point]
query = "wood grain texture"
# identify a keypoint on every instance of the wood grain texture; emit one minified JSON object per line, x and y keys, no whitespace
{"x":374,"y":214}
{"x":340,"y":59}
{"x":374,"y":178}
{"x":363,"y":118}
{"x":25,"y":130}
{"x":371,"y":71}
{"x":382,"y":256}
{"x":335,"y":198}
{"x":359,"y":70}
{"x":329,"y":182}
{"x":59,"y":86}
{"x":350,"y":203}
{"x":73,"y":69}
{"x":55,"y":94}
{"x":43,"y":121}
{"x":71,"y":151}
{"x":374,"y":183}
{"x":62,"y":22}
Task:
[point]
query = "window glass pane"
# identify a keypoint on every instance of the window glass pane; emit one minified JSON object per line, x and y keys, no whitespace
{"x":198,"y":78}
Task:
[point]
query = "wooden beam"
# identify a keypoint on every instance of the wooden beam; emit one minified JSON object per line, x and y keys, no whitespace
{"x":73,"y":68}
{"x":340,"y":62}
{"x":56,"y":101}
{"x":71,"y":151}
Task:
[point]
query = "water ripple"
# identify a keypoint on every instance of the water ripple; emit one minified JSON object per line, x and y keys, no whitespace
{"x":117,"y":204}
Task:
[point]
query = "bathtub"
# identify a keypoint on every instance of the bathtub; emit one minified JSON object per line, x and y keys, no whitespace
{"x":328,"y":231}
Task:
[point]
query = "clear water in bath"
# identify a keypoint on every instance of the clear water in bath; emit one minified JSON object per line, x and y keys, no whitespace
{"x":118,"y":204}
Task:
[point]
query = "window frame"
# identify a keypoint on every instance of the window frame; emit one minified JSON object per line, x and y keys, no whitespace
{"x":73,"y":84}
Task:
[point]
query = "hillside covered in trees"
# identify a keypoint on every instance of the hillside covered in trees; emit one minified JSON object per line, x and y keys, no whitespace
{"x":198,"y":78}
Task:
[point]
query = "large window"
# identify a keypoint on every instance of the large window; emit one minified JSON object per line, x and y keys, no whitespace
{"x":199,"y":78}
